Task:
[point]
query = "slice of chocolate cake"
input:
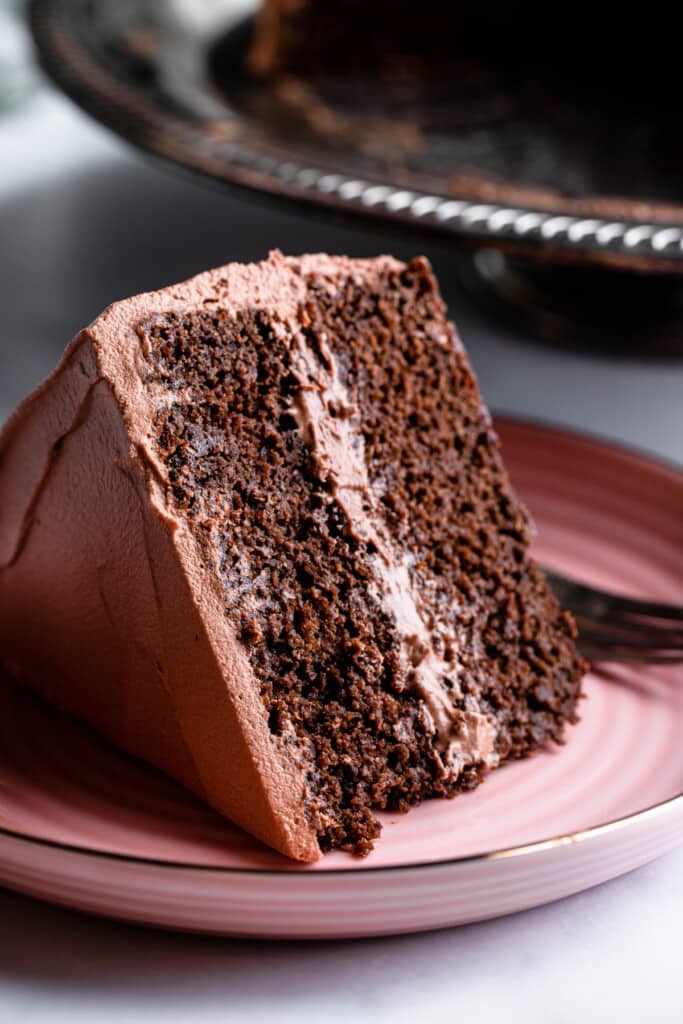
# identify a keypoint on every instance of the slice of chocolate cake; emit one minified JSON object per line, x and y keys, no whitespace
{"x":256,"y":529}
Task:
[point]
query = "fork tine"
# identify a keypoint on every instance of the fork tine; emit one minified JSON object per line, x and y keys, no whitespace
{"x":636,"y":638}
{"x":628,"y":606}
{"x":595,"y":653}
{"x":598,"y":605}
{"x":617,"y":630}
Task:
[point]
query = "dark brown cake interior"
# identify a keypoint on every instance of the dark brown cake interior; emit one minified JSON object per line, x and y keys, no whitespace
{"x":298,"y":582}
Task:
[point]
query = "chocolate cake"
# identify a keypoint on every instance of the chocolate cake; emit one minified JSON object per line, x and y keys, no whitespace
{"x":256,"y":529}
{"x":389,"y":37}
{"x":312,"y":37}
{"x":475,"y":46}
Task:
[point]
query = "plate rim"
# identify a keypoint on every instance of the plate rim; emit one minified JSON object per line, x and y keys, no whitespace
{"x":669,"y":805}
{"x":300,"y":870}
{"x":647,"y":243}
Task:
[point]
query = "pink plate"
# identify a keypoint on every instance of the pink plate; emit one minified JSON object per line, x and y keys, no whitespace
{"x":83,"y":825}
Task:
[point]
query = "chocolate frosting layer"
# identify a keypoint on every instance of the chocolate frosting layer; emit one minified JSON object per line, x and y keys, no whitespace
{"x":329,"y":422}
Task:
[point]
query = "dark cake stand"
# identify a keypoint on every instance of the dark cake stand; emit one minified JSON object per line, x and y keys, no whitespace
{"x":560,"y":176}
{"x":579,"y":306}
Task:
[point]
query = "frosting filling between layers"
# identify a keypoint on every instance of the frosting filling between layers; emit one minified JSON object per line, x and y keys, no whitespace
{"x":329,"y":423}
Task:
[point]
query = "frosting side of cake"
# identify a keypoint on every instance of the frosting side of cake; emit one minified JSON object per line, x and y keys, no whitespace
{"x":103,"y":606}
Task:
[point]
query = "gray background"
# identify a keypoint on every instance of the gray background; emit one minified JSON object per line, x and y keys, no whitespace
{"x":84,"y":221}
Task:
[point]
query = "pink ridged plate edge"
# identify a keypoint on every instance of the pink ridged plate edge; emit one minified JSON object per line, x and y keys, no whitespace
{"x":85,"y":826}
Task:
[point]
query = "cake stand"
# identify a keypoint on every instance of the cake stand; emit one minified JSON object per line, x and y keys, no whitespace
{"x":544,"y":162}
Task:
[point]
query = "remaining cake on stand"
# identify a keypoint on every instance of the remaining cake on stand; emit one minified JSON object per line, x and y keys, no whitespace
{"x":256,"y":529}
{"x":387,"y":36}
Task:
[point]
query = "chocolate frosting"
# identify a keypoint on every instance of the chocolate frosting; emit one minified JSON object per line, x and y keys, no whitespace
{"x":329,"y":422}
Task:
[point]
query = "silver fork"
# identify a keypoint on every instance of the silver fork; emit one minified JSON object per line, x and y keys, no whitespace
{"x":616,"y":628}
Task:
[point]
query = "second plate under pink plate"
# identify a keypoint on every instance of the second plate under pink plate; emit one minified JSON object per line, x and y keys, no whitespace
{"x":84,"y":825}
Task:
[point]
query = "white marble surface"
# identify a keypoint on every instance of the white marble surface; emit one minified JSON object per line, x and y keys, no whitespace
{"x":83,"y":221}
